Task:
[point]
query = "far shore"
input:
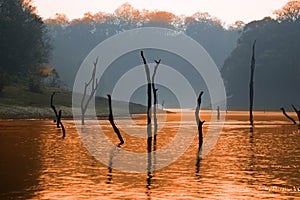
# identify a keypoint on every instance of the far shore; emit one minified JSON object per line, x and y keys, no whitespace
{"x":31,"y":112}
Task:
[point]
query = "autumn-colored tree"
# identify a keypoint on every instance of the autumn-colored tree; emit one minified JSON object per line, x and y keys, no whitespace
{"x":59,"y":18}
{"x":290,"y":11}
{"x":128,"y":12}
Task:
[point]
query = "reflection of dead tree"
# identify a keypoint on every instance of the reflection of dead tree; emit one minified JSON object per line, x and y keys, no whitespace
{"x":58,"y":116}
{"x":94,"y":82}
{"x":113,"y":152}
{"x":297,"y":112}
{"x":198,"y":121}
{"x":287,"y":116}
{"x":111,"y":120}
{"x":198,"y":165}
{"x":154,"y":103}
{"x":251,"y":83}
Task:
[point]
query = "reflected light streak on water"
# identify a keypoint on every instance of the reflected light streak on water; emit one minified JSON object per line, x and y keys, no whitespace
{"x":35,"y":163}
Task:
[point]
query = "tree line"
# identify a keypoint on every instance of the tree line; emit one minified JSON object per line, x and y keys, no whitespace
{"x":25,"y":46}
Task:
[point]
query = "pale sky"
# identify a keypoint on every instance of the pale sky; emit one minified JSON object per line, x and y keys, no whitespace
{"x":228,"y":11}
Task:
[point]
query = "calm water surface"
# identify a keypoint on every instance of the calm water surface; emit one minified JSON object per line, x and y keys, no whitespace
{"x":35,"y":163}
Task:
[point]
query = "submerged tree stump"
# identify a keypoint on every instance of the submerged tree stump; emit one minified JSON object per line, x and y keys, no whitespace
{"x":297,"y":112}
{"x":287,"y":116}
{"x":199,"y":122}
{"x":58,"y":116}
{"x":155,"y":103}
{"x":111,"y":120}
{"x":251,"y":87}
{"x":149,"y":104}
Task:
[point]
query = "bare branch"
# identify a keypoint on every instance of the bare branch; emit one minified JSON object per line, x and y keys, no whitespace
{"x":251,"y":88}
{"x":287,"y":116}
{"x":58,"y":116}
{"x":149,"y":126}
{"x":94,"y":87}
{"x":154,"y":90}
{"x":198,"y":121}
{"x":111,"y":120}
{"x":297,"y":112}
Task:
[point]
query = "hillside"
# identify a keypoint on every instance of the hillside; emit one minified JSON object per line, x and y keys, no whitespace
{"x":18,"y":102}
{"x":277,"y":73}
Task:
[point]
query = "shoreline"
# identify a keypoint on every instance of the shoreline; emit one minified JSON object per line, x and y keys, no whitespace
{"x":33,"y":112}
{"x":11,"y":112}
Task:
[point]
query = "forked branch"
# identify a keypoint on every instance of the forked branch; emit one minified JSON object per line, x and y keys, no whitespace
{"x":94,"y":84}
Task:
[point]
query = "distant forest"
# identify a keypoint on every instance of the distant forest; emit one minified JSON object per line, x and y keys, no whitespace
{"x":50,"y":51}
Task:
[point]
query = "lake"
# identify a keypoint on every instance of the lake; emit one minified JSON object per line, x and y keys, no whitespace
{"x":36,"y":163}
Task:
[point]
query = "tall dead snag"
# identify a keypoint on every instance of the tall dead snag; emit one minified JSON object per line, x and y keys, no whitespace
{"x":287,"y":116}
{"x":297,"y":112}
{"x":94,"y":83}
{"x":198,"y":121}
{"x":251,"y":91}
{"x":149,"y":125}
{"x":58,"y":116}
{"x":154,"y":103}
{"x":111,"y":120}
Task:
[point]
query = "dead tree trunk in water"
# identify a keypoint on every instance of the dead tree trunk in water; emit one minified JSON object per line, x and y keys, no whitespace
{"x":251,"y":91}
{"x":198,"y":121}
{"x":287,"y":116}
{"x":218,"y":112}
{"x":94,"y":82}
{"x":154,"y":103}
{"x":297,"y":112}
{"x":149,"y":125}
{"x":111,"y":120}
{"x":58,"y":116}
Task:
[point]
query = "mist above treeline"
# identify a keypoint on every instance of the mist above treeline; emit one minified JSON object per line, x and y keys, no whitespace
{"x":278,"y":67}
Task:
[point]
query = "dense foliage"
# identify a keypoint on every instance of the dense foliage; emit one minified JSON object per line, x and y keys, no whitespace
{"x":24,"y":45}
{"x":277,"y":74}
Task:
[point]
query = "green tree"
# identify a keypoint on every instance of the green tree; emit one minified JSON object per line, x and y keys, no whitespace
{"x":24,"y":44}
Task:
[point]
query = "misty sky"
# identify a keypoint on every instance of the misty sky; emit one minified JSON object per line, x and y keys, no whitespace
{"x":228,"y":11}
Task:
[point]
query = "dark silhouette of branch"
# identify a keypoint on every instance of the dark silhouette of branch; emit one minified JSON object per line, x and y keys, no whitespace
{"x":198,"y":121}
{"x":154,"y":90}
{"x":94,"y":85}
{"x":55,"y":112}
{"x":149,"y":126}
{"x":297,"y":112}
{"x":218,"y":112}
{"x":58,"y":116}
{"x":287,"y":116}
{"x":251,"y":91}
{"x":111,"y":120}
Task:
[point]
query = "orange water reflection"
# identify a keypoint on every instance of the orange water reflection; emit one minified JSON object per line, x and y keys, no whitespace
{"x":37,"y":164}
